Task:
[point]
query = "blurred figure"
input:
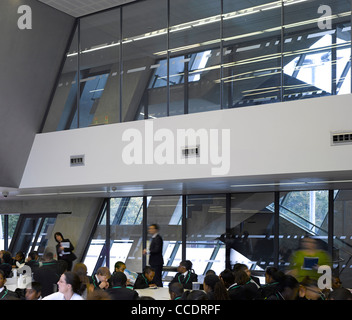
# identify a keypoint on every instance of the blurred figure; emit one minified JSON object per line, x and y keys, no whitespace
{"x":309,"y":290}
{"x":340,"y":294}
{"x":306,"y":261}
{"x":287,"y":289}
{"x":272,"y":278}
{"x":118,"y":291}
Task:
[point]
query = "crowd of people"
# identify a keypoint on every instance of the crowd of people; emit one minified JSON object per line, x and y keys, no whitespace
{"x":58,"y":279}
{"x":52,"y":281}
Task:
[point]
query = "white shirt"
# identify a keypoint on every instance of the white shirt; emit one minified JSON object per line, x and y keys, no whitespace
{"x":60,"y":296}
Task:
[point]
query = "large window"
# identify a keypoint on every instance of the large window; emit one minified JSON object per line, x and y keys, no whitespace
{"x":156,"y":58}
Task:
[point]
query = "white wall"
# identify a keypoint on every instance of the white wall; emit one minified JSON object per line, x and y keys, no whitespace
{"x":280,"y":138}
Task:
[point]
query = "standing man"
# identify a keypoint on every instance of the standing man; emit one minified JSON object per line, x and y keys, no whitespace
{"x":156,"y":260}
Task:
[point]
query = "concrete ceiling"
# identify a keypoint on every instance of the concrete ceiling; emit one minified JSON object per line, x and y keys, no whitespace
{"x":79,"y":8}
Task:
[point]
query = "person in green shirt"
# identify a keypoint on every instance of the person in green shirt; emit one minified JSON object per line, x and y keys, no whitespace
{"x":306,"y":261}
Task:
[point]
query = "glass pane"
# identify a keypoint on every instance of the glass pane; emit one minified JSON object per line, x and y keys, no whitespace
{"x":206,"y":217}
{"x":166,"y":211}
{"x":45,"y":233}
{"x":126,"y":232}
{"x":64,"y":104}
{"x":251,"y":237}
{"x":302,"y":213}
{"x":99,"y":69}
{"x":316,"y":49}
{"x":195,"y":56}
{"x":144,"y":35}
{"x":252,"y":52}
{"x":343,"y":237}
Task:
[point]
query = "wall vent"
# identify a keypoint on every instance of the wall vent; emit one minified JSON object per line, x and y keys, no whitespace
{"x":339,"y":138}
{"x":76,"y":161}
{"x":191,"y":152}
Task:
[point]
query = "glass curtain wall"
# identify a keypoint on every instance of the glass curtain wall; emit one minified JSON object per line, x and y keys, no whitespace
{"x":317,"y":49}
{"x":206,"y":222}
{"x":144,"y":30}
{"x":166,"y":211}
{"x":156,"y":58}
{"x":251,"y":237}
{"x":252,"y":52}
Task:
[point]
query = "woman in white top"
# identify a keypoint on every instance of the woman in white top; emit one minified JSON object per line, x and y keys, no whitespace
{"x":69,"y":288}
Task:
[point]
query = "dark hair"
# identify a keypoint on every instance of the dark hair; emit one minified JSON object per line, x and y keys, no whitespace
{"x":119,"y":279}
{"x":217,"y":287}
{"x":239,"y":266}
{"x":6,"y":257}
{"x":195,"y":295}
{"x":228,"y":277}
{"x":187,"y":264}
{"x":36,"y":286}
{"x":118,"y":264}
{"x":58,"y":234}
{"x":73,"y":279}
{"x":176,"y":288}
{"x":241,"y":277}
{"x":33,"y":255}
{"x":287,"y":281}
{"x":148,"y":269}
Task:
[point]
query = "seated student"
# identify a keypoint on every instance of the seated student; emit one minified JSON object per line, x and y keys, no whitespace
{"x":145,"y":279}
{"x":5,"y":294}
{"x":272,"y":277}
{"x":228,"y":278}
{"x":34,"y":291}
{"x":309,"y":290}
{"x":185,"y":275}
{"x":214,"y":288}
{"x":287,"y":289}
{"x":244,"y":288}
{"x":33,"y":260}
{"x":19,"y":260}
{"x":243,"y":267}
{"x":100,"y":280}
{"x":175,"y":290}
{"x":121,"y":267}
{"x":6,"y":263}
{"x":47,"y":274}
{"x":118,"y":291}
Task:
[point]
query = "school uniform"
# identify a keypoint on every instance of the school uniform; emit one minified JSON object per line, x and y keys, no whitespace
{"x":122,"y":293}
{"x":6,"y":294}
{"x":95,"y":282}
{"x":141,"y":282}
{"x":48,"y":276}
{"x":186,"y":279}
{"x":268,"y":289}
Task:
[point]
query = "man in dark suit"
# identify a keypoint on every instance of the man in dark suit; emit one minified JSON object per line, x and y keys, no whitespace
{"x":156,"y":260}
{"x":118,"y":291}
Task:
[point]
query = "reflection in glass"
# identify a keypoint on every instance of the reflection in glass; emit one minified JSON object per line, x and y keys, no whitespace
{"x":205,"y":223}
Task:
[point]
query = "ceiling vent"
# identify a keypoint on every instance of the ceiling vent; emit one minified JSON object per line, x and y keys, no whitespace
{"x":77,"y":161}
{"x":191,"y":152}
{"x":340,"y":138}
